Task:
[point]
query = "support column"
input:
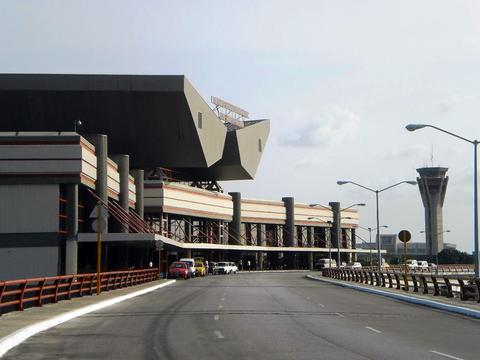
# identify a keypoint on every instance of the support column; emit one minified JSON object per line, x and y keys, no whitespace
{"x":309,"y":236}
{"x":101,"y":151}
{"x":188,"y":230}
{"x":336,"y":230}
{"x":123,"y":162}
{"x":71,"y":247}
{"x":260,"y":260}
{"x":310,"y":260}
{"x":354,"y":244}
{"x":139,"y":177}
{"x":261,"y":240}
{"x":289,"y":236}
{"x":234,"y":228}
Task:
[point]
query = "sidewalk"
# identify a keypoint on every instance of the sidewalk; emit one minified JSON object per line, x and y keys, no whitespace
{"x":17,"y":326}
{"x":455,"y":305}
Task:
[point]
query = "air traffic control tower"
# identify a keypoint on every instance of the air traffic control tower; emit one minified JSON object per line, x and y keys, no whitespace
{"x":433,"y":186}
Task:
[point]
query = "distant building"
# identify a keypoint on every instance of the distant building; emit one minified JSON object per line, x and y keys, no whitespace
{"x":388,"y":243}
{"x":413,"y":248}
{"x":432,"y":183}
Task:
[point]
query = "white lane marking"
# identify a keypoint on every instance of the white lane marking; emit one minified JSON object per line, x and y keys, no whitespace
{"x":446,"y":355}
{"x":218,"y":334}
{"x":220,"y":306}
{"x":321,"y":305}
{"x":372,"y":329}
{"x":223,"y":299}
{"x":216,"y":317}
{"x":10,"y":341}
{"x":341,"y":315}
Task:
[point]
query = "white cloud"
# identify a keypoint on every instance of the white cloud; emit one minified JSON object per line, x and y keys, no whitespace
{"x":336,"y":125}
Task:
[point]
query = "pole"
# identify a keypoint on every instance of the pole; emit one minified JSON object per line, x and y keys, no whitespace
{"x":371,"y":260}
{"x":405,"y":264}
{"x":378,"y":234}
{"x":99,"y":246}
{"x":475,"y":210}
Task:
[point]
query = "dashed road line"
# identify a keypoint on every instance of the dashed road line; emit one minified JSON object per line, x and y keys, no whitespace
{"x":373,"y":329}
{"x":321,"y":305}
{"x":219,"y":307}
{"x":338,"y":314}
{"x":445,"y":355}
{"x":218,"y":334}
{"x":216,"y":317}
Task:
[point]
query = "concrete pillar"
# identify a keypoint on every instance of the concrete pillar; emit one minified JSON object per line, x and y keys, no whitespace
{"x":261,"y":240}
{"x":71,"y":247}
{"x":354,"y":244}
{"x":289,"y":237}
{"x":123,"y":162}
{"x":310,"y":236}
{"x":236,"y":218}
{"x":188,"y":230}
{"x":310,"y":260}
{"x":101,"y":151}
{"x":336,"y":229}
{"x":139,"y":177}
{"x":219,"y":232}
{"x":260,"y":260}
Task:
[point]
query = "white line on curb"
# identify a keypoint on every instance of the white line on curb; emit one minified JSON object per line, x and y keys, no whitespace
{"x":321,"y":305}
{"x":10,"y":341}
{"x":338,"y":314}
{"x":410,"y":299}
{"x":219,"y":307}
{"x":372,"y":329}
{"x":446,"y":355}
{"x":216,"y":317}
{"x":218,"y":334}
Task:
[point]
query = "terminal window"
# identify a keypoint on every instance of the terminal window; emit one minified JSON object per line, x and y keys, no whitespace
{"x":260,"y":145}
{"x":199,"y":120}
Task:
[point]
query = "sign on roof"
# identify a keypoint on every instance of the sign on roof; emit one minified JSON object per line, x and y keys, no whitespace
{"x":226,"y":105}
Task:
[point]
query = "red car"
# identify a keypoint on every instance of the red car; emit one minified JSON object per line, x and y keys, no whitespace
{"x":179,"y":270}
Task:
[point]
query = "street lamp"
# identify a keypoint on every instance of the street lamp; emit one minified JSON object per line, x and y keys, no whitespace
{"x":378,"y":215}
{"x":369,"y":229}
{"x":338,"y":230}
{"x":436,"y":234}
{"x":413,"y":127}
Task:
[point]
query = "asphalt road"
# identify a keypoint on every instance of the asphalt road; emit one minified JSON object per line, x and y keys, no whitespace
{"x":258,"y":316}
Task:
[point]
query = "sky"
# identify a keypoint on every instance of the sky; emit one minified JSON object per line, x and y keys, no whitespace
{"x":338,"y":79}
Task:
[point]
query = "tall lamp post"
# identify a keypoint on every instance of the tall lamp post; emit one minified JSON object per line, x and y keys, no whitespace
{"x":379,"y":254}
{"x":338,"y":225}
{"x":413,"y":127}
{"x":436,"y":255}
{"x":369,"y":229}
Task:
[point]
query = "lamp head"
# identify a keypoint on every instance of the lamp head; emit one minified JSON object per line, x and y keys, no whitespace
{"x":411,"y":182}
{"x":342,"y":182}
{"x":413,"y":127}
{"x":361,"y":204}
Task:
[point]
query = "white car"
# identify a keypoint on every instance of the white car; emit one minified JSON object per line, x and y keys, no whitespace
{"x":223,"y":267}
{"x":412,"y":264}
{"x":233,"y":268}
{"x":422,"y":265}
{"x":355,"y":266}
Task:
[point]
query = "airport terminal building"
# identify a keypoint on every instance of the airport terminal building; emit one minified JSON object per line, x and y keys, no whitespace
{"x":145,"y":154}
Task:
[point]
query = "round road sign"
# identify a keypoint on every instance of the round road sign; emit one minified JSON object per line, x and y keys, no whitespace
{"x":404,"y":236}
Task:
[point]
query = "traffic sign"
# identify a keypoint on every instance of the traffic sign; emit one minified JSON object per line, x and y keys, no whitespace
{"x":404,"y":236}
{"x":103,"y":213}
{"x":103,"y":225}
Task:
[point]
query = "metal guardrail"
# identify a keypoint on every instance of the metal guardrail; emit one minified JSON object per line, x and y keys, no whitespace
{"x":19,"y":294}
{"x":465,"y":287}
{"x":444,"y":268}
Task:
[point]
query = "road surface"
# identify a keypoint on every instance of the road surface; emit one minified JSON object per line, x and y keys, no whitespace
{"x":258,"y":316}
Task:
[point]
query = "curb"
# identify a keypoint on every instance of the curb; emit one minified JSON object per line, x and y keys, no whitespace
{"x":405,"y":298}
{"x":10,"y":341}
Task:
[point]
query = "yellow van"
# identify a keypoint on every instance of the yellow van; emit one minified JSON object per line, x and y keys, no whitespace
{"x":200,"y":269}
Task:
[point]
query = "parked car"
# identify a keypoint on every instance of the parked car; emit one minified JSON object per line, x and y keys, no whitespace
{"x":233,"y":268}
{"x":432,"y":266}
{"x":325,"y":264}
{"x":200,"y":269}
{"x":191,"y":265}
{"x":223,"y":267}
{"x":422,"y":265}
{"x":179,"y":269}
{"x":355,"y":266}
{"x":412,"y":264}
